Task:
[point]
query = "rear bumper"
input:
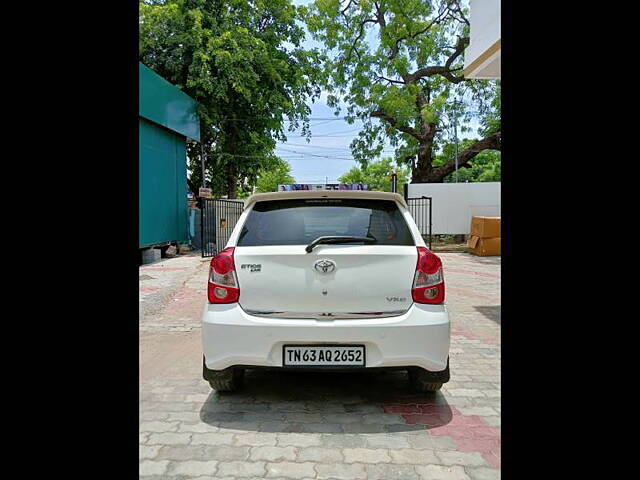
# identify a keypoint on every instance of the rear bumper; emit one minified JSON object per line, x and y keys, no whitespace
{"x":419,"y":337}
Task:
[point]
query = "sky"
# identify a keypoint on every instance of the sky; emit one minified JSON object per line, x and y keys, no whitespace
{"x":327,"y":155}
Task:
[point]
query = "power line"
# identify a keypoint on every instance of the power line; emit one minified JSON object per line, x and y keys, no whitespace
{"x":328,"y":134}
{"x":318,"y":146}
{"x":328,"y":119}
{"x":324,"y":119}
{"x":320,"y":156}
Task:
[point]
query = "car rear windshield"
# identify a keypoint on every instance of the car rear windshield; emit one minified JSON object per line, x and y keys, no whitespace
{"x":299,"y":222}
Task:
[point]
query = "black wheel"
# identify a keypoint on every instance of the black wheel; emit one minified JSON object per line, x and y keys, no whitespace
{"x":227,"y":380}
{"x":423,"y":380}
{"x":420,"y":381}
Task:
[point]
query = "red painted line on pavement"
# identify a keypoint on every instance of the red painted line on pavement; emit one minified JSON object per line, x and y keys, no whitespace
{"x":148,"y":288}
{"x":470,"y":433}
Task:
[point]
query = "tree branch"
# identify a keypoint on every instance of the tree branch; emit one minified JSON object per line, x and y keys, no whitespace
{"x":444,"y":70}
{"x":358,"y":38}
{"x":457,"y":9}
{"x":394,"y":123}
{"x":400,"y":82}
{"x":347,"y":7}
{"x":396,"y":47}
{"x":492,"y":142}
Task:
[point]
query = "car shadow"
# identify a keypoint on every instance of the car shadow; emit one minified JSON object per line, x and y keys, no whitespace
{"x":372,"y":401}
{"x":492,"y":312}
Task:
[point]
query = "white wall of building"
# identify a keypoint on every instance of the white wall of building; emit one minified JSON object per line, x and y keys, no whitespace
{"x":454,"y":204}
{"x":484,"y":18}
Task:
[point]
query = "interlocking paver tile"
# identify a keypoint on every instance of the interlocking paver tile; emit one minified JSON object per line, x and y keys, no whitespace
{"x":193,"y":468}
{"x":242,"y":469}
{"x":272,"y":454}
{"x":387,"y":472}
{"x":340,"y":471}
{"x":291,"y":470}
{"x":320,"y":455}
{"x":366,"y":455}
{"x":153,"y":467}
{"x":441,"y":472}
{"x":298,"y":425}
{"x":413,"y":457}
{"x":169,"y":438}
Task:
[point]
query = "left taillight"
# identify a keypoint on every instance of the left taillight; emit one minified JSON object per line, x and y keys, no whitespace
{"x":428,"y":281}
{"x":223,"y":282}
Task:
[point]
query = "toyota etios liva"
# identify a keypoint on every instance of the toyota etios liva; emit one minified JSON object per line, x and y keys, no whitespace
{"x":326,"y":280}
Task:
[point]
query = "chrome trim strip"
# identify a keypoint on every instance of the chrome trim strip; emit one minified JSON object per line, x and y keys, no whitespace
{"x":324,"y":315}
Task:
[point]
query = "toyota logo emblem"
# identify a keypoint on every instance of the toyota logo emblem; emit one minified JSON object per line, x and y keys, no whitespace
{"x":325,"y":266}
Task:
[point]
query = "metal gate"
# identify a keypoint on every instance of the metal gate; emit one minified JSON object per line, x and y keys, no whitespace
{"x":217,"y":219}
{"x":420,"y":209}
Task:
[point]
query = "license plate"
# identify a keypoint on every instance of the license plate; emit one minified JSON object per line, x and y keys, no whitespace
{"x":323,"y":355}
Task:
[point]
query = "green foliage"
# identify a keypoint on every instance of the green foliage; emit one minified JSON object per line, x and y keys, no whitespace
{"x":243,"y":62}
{"x":374,"y":52}
{"x":485,"y":167}
{"x":377,"y":175}
{"x":275,"y":172}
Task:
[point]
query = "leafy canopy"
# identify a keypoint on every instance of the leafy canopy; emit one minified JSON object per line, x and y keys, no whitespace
{"x":485,"y":167}
{"x":401,"y":61}
{"x":243,"y":62}
{"x":377,"y":175}
{"x":275,"y":172}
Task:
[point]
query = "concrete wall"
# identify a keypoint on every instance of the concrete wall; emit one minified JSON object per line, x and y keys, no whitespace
{"x":485,"y":33}
{"x":455,"y":203}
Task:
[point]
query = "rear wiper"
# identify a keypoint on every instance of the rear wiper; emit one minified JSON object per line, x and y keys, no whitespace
{"x":338,"y":239}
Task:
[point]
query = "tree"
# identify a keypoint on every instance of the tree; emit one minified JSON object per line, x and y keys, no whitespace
{"x":242,"y":61}
{"x":485,"y":166}
{"x":400,"y":62}
{"x":274,"y":173}
{"x":377,"y":175}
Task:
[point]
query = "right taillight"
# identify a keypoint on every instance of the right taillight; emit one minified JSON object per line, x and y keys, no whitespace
{"x":428,"y":282}
{"x":223,"y":282}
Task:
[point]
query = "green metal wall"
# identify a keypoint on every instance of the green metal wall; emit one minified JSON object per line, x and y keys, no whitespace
{"x":168,"y":117}
{"x":166,"y":105}
{"x":163,"y":185}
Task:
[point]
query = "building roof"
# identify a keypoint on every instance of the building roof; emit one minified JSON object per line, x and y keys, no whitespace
{"x":259,"y":197}
{"x":164,"y":104}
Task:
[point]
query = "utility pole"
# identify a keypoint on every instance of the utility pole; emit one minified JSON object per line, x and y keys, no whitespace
{"x":204,"y":183}
{"x":455,"y":134}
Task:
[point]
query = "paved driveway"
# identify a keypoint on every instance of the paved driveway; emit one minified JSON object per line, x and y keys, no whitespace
{"x":324,"y":425}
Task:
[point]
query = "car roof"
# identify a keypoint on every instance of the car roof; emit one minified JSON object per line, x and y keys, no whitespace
{"x":261,"y":197}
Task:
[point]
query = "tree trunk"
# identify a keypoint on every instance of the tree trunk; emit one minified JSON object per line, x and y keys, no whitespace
{"x":232,"y":187}
{"x":194,"y":189}
{"x":425,"y":160}
{"x":426,"y":173}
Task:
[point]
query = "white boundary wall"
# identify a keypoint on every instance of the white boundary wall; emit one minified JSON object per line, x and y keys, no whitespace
{"x":455,"y":203}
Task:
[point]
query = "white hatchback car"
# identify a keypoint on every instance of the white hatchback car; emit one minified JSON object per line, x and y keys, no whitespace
{"x":326,"y":280}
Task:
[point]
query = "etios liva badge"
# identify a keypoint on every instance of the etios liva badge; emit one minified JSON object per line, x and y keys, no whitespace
{"x":325,"y":266}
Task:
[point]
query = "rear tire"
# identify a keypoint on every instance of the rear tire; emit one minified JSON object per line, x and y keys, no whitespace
{"x":227,"y":380}
{"x":423,"y":380}
{"x":421,"y":383}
